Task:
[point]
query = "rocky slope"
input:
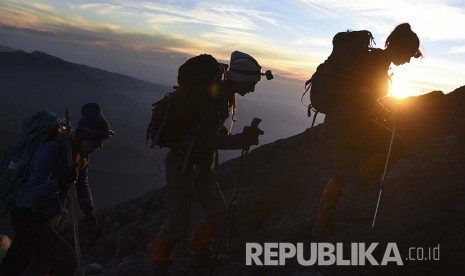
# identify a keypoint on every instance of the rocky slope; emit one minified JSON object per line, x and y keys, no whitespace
{"x":423,"y":203}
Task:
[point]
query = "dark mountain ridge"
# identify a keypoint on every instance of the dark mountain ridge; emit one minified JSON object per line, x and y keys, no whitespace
{"x":9,"y":49}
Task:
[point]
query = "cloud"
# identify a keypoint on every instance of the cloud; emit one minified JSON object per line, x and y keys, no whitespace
{"x":457,"y":50}
{"x":44,"y":7}
{"x":205,"y":25}
{"x":227,"y":36}
{"x":313,"y":41}
{"x":211,"y":14}
{"x":433,"y":20}
{"x":218,"y":28}
{"x":208,"y":14}
{"x":107,"y":9}
{"x":107,"y":35}
{"x":290,"y":37}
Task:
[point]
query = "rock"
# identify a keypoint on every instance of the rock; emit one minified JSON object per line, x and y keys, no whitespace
{"x":5,"y":243}
{"x":93,"y":269}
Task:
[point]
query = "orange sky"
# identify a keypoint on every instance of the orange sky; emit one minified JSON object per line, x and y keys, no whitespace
{"x":291,"y":38}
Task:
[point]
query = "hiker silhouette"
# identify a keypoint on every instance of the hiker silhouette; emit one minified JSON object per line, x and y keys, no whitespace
{"x":41,"y":202}
{"x":351,"y":121}
{"x":191,"y":162}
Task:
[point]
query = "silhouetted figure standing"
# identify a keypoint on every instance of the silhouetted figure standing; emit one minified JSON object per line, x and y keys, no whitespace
{"x":197,"y":183}
{"x":352,"y":128}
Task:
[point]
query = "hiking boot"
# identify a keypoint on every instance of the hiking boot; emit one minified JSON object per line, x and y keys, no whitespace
{"x":161,"y":256}
{"x":200,"y":255}
{"x":329,"y":202}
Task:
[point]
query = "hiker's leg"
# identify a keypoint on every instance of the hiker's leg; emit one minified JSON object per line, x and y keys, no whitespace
{"x":345,"y":160}
{"x":179,"y":195}
{"x":20,"y":253}
{"x":211,"y":198}
{"x":206,"y":231}
{"x":35,"y":237}
{"x":54,"y":251}
{"x":378,"y":140}
{"x":329,"y":201}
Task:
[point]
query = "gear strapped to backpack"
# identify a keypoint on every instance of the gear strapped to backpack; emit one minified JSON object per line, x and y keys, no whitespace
{"x":330,"y":76}
{"x":35,"y":131}
{"x":174,"y":116}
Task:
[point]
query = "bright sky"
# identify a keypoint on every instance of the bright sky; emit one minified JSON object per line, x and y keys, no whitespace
{"x":290,"y":37}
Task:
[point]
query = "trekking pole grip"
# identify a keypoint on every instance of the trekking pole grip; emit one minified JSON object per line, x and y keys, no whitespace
{"x":255,"y":122}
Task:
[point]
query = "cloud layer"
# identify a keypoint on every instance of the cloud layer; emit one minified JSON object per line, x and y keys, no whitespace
{"x":291,"y":37}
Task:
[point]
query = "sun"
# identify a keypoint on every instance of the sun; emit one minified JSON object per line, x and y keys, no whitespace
{"x":401,"y":89}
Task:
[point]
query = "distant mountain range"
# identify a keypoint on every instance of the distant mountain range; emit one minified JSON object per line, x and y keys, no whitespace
{"x":5,"y":49}
{"x":30,"y":82}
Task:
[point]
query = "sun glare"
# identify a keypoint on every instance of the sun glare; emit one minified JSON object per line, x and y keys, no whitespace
{"x":401,"y":89}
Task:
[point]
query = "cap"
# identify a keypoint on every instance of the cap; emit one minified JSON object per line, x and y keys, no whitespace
{"x":243,"y":68}
{"x":93,"y":125}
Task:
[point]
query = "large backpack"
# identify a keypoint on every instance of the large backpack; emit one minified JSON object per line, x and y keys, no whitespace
{"x":35,"y":131}
{"x":331,"y":75}
{"x":174,"y":116}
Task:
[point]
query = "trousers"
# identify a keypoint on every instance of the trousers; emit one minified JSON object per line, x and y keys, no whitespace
{"x":37,"y":242}
{"x":183,"y":191}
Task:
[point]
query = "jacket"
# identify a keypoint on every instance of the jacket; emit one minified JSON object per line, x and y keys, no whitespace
{"x":209,"y":135}
{"x":41,"y":192}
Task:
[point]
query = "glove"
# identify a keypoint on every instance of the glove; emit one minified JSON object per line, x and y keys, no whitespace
{"x":70,"y":175}
{"x":91,"y":217}
{"x":249,"y":136}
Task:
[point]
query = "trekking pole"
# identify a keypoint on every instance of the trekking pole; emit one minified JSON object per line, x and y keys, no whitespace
{"x":236,"y":196}
{"x":77,"y":246}
{"x":383,"y":178}
{"x":245,"y":152}
{"x":234,"y":200}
